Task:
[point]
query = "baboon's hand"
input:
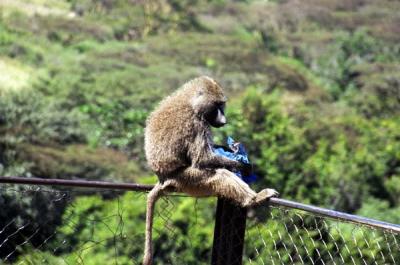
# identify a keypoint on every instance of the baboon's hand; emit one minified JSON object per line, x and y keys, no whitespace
{"x":246,"y":169}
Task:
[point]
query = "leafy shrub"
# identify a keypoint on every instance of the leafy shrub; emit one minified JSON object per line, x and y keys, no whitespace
{"x":25,"y":211}
{"x":92,"y":219}
{"x":33,"y":118}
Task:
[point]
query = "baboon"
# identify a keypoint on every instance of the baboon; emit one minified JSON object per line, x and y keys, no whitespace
{"x":179,"y":149}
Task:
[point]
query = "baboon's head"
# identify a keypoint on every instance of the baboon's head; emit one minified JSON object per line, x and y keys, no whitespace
{"x":208,"y":101}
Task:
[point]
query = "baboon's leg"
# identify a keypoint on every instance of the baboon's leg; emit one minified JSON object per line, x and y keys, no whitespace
{"x":223,"y":183}
{"x":152,"y":197}
{"x":226,"y":184}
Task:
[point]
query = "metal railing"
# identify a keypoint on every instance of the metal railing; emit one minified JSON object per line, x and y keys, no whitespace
{"x":284,"y":232}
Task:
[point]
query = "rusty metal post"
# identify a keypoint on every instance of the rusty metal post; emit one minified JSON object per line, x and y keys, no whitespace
{"x":229,"y":232}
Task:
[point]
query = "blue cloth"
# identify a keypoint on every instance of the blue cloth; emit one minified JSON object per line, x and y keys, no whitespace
{"x":237,"y":153}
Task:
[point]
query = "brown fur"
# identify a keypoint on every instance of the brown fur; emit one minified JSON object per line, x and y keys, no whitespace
{"x":178,"y":145}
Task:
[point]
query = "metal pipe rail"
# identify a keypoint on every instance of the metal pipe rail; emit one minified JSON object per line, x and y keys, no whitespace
{"x":143,"y":187}
{"x":77,"y":183}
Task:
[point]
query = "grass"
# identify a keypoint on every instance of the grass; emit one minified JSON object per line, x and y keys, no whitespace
{"x":14,"y":75}
{"x":40,"y":7}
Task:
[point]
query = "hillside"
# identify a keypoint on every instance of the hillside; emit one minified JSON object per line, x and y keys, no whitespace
{"x":314,"y":90}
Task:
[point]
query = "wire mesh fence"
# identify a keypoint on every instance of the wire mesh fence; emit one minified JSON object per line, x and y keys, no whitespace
{"x":41,"y":225}
{"x":291,"y":236}
{"x":45,"y":225}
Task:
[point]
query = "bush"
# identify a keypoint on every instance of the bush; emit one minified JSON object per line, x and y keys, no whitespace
{"x":31,"y":117}
{"x":91,"y":219}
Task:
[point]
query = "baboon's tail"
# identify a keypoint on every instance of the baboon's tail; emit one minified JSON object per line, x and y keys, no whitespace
{"x":152,"y":197}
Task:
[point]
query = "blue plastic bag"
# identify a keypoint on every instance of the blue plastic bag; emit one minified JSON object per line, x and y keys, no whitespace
{"x":237,"y":153}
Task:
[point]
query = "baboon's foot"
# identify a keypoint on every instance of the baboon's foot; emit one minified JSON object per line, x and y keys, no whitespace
{"x":259,"y":198}
{"x":264,"y":195}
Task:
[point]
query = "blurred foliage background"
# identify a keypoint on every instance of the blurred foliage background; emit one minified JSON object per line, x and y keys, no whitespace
{"x":314,"y":90}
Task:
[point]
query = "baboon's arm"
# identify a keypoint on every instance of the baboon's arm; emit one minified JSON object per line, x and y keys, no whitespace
{"x":216,"y":161}
{"x":202,"y":156}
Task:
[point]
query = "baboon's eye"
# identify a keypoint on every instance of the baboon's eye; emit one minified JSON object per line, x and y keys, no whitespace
{"x":220,"y":105}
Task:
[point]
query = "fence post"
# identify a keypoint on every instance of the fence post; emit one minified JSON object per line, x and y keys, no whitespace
{"x":229,"y":231}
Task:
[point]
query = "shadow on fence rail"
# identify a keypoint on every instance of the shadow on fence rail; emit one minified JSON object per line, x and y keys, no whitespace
{"x":45,"y":221}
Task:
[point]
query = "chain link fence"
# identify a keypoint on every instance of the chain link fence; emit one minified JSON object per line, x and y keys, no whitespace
{"x":291,"y":236}
{"x":41,"y":225}
{"x":46,"y":225}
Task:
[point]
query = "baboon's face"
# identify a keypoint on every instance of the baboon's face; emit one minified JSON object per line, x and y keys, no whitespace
{"x":216,"y":115}
{"x":209,"y":103}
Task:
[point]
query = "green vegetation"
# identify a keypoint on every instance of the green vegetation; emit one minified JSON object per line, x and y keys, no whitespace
{"x":314,"y":94}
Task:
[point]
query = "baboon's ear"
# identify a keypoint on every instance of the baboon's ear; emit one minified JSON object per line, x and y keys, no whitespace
{"x":200,"y":91}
